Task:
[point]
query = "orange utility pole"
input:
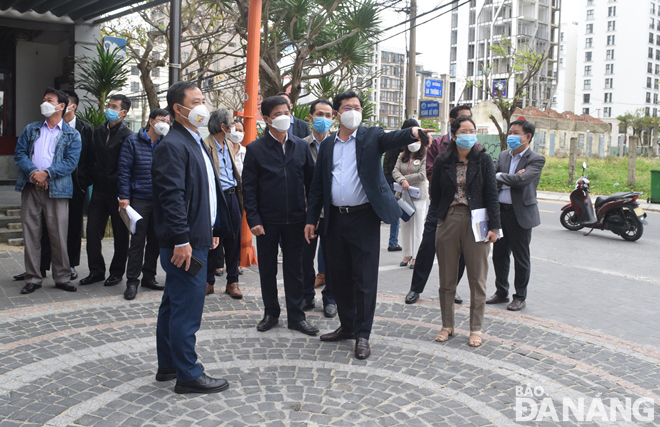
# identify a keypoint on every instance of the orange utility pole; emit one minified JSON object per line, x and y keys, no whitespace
{"x":248,"y":254}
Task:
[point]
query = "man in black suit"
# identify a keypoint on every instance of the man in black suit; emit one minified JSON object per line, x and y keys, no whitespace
{"x":277,"y":171}
{"x":105,"y":148}
{"x":350,"y":186}
{"x":518,"y":173}
{"x":190,"y":214}
{"x":298,"y":127}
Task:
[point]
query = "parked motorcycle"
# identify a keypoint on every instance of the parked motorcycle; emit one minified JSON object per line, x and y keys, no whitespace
{"x":620,"y":212}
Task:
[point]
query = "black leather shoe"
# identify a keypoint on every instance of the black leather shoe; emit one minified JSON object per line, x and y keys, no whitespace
{"x":112,"y":281}
{"x":497,"y":299}
{"x":66,"y":287}
{"x":90,"y":279}
{"x":169,"y":374}
{"x":308,"y":305}
{"x":396,"y":248}
{"x":305,"y":327}
{"x":362,"y":349}
{"x":267,"y":323}
{"x":130,"y":292}
{"x":458,"y":299}
{"x":516,"y":305}
{"x":29,"y":288}
{"x":203,"y":384}
{"x":74,"y":273}
{"x":412,"y":297}
{"x":19,"y":277}
{"x":330,"y":310}
{"x":338,"y":335}
{"x":152,"y":284}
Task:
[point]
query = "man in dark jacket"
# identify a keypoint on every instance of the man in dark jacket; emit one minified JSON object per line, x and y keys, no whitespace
{"x":190,"y":215}
{"x":106,"y":144}
{"x":277,"y":172}
{"x":134,"y":183}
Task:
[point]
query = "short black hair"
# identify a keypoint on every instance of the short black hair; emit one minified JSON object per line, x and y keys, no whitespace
{"x":527,"y":127}
{"x":177,"y":93}
{"x":409,"y":123}
{"x":312,"y":106}
{"x":62,"y":98}
{"x":159,"y":112}
{"x":336,"y":102}
{"x":269,"y":104}
{"x":453,"y":114}
{"x":125,"y":102}
{"x":73,"y":96}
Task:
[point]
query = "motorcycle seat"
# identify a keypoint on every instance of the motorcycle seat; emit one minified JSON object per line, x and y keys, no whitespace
{"x":603,"y":199}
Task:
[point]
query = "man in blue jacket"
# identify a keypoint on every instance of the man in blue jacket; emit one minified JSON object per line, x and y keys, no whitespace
{"x":134,"y":182}
{"x":350,"y":186}
{"x":47,"y":152}
{"x":277,"y":172}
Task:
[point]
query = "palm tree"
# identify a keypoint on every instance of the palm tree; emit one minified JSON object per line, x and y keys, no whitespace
{"x":103,"y":73}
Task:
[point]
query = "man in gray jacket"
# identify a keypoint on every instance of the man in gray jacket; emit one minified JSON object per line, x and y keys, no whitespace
{"x":518,"y":171}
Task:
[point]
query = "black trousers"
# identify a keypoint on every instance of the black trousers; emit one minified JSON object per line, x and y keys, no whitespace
{"x":426,"y":254}
{"x":74,"y":234}
{"x":139,"y":258}
{"x":309,"y":274}
{"x":353,"y":252}
{"x":229,"y":248}
{"x":293,"y":239}
{"x":516,"y":239}
{"x":102,"y":206}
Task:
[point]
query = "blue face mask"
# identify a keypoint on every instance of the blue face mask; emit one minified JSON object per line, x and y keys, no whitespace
{"x":466,"y":141}
{"x":513,"y":141}
{"x":112,"y":115}
{"x":321,"y":124}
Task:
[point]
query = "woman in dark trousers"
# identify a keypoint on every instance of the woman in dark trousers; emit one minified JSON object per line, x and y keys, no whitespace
{"x":463,"y":180}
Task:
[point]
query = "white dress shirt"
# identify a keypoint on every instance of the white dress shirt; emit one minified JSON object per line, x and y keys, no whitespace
{"x":44,"y":147}
{"x":347,"y":188}
{"x":505,"y":192}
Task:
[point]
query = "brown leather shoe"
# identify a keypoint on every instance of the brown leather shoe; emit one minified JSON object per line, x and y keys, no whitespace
{"x":320,"y":280}
{"x":338,"y":335}
{"x":233,"y":290}
{"x":209,"y":289}
{"x":362,"y":349}
{"x":497,"y":299}
{"x":516,"y":305}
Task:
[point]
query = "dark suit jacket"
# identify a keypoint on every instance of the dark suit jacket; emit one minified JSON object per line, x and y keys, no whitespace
{"x":181,"y":193}
{"x":81,"y":176}
{"x":370,"y":144}
{"x":299,"y":128}
{"x":105,"y":155}
{"x":523,"y":186}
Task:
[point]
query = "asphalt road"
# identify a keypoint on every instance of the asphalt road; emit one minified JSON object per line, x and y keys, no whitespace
{"x":599,"y":282}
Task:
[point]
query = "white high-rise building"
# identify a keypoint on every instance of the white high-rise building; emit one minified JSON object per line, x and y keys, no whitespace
{"x":532,"y":24}
{"x":564,"y":98}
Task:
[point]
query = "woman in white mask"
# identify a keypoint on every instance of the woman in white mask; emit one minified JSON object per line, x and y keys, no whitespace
{"x":236,"y":137}
{"x":410,"y":171}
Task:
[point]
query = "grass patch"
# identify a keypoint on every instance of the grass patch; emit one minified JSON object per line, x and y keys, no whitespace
{"x":607,"y":175}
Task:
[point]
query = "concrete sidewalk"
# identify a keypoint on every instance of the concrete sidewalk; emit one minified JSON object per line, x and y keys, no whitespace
{"x":564,"y":197}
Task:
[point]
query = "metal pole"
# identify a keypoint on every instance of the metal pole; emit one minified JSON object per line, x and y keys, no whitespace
{"x":248,"y":254}
{"x":411,"y":88}
{"x":175,"y":41}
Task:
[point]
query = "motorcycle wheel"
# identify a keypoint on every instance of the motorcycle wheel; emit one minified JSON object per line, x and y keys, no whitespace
{"x":569,"y":220}
{"x":633,"y":227}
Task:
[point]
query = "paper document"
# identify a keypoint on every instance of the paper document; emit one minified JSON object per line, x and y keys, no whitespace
{"x":130,"y":217}
{"x":414,"y":191}
{"x":480,"y":225}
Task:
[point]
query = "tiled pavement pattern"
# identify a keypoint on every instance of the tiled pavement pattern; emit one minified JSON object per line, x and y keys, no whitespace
{"x":91,"y":362}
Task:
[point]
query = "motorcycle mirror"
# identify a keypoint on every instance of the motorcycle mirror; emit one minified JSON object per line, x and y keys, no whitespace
{"x":584,"y":165}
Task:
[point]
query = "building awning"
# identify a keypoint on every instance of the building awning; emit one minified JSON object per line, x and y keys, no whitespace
{"x":79,"y":10}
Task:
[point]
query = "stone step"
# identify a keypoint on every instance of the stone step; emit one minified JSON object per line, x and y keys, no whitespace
{"x":15,"y":226}
{"x":6,"y":234}
{"x":13,"y":212}
{"x":6,"y":220}
{"x":15,"y":242}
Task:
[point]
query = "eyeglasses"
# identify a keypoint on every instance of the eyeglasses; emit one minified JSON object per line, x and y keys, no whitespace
{"x":345,"y":109}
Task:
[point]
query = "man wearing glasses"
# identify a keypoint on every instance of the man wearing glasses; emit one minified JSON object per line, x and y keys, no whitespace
{"x":350,"y":186}
{"x":106,"y":145}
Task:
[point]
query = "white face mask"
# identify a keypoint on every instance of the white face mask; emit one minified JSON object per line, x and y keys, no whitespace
{"x":198,"y":116}
{"x":351,"y":119}
{"x":414,"y":147}
{"x":48,"y":109}
{"x":161,"y":128}
{"x":281,"y":123}
{"x":236,"y":137}
{"x":68,"y":109}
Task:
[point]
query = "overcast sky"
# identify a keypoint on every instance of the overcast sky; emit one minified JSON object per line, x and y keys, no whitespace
{"x":433,"y":37}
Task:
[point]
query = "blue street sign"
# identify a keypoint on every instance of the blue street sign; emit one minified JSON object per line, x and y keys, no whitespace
{"x":429,"y":109}
{"x":499,"y":85}
{"x":433,"y":88}
{"x":112,"y":43}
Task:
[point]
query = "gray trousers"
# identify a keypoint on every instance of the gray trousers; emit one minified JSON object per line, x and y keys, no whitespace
{"x":35,"y":205}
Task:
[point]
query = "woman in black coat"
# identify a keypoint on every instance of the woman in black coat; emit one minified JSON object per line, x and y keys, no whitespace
{"x":463,"y":180}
